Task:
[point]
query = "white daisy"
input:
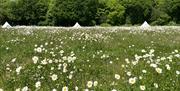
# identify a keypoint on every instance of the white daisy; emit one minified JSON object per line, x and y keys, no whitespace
{"x":38,"y":84}
{"x":95,"y":83}
{"x":65,"y":88}
{"x":89,"y":84}
{"x":54,"y":77}
{"x":158,"y":70}
{"x":132,"y":80}
{"x":35,"y":59}
{"x":142,"y":87}
{"x":25,"y":88}
{"x":117,"y":76}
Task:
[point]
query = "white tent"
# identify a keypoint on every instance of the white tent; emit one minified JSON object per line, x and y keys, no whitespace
{"x":77,"y":25}
{"x":145,"y":25}
{"x":6,"y":25}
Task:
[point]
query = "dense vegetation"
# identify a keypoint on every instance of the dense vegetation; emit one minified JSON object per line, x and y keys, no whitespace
{"x":89,"y":60}
{"x":89,"y":12}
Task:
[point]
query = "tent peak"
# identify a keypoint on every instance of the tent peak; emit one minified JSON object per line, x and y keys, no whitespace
{"x":145,"y":25}
{"x":6,"y":25}
{"x":77,"y":25}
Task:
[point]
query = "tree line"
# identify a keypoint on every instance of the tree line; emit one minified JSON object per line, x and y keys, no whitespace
{"x":89,"y":12}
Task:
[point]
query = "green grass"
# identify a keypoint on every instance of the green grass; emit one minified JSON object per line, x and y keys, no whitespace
{"x":100,"y":54}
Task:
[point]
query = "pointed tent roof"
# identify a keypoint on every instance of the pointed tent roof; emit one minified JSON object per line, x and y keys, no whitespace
{"x":77,"y":25}
{"x":6,"y":25}
{"x":145,"y":25}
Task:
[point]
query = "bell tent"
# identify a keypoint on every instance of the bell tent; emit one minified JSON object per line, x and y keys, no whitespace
{"x":145,"y":25}
{"x":77,"y":25}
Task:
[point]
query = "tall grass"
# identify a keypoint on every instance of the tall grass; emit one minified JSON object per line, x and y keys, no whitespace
{"x":98,"y":59}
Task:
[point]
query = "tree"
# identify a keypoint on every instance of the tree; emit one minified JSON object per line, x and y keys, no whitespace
{"x":111,"y":12}
{"x":116,"y":13}
{"x":4,"y":11}
{"x":137,"y":11}
{"x":68,"y":12}
{"x":175,"y":10}
{"x":159,"y":16}
{"x":29,"y":12}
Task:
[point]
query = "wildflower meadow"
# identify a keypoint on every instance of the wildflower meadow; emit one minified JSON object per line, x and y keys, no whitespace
{"x":89,"y":59}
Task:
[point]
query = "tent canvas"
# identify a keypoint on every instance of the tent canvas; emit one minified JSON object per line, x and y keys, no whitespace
{"x":6,"y":25}
{"x":77,"y":25}
{"x":145,"y":25}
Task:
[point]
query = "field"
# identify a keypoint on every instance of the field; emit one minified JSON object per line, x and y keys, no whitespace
{"x":89,"y":59}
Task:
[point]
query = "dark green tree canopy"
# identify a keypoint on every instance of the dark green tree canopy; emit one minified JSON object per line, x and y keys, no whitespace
{"x":89,"y":12}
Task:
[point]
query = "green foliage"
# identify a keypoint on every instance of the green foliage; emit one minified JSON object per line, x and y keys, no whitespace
{"x":89,"y":12}
{"x":105,"y":25}
{"x":4,"y":11}
{"x":176,"y":10}
{"x":160,"y":18}
{"x":28,"y":12}
{"x":172,"y":23}
{"x":138,"y":11}
{"x":116,"y":12}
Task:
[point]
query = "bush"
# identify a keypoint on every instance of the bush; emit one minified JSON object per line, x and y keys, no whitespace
{"x":105,"y":25}
{"x":172,"y":23}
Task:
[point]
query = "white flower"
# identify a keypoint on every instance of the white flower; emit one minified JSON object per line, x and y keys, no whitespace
{"x":61,"y":52}
{"x":70,"y":76}
{"x":54,"y":89}
{"x":117,"y":76}
{"x":128,"y":73}
{"x":38,"y":84}
{"x":159,"y":70}
{"x":35,"y":59}
{"x":132,"y":80}
{"x":39,"y":49}
{"x":51,"y":43}
{"x":177,"y":72}
{"x":46,"y":43}
{"x":25,"y":88}
{"x":52,"y":68}
{"x":134,"y":62}
{"x":155,"y":85}
{"x":143,"y":51}
{"x":86,"y":89}
{"x":65,"y":64}
{"x":176,"y":51}
{"x":54,"y":77}
{"x":127,"y":60}
{"x":18,"y":69}
{"x":111,"y":62}
{"x":151,"y":51}
{"x":95,"y":83}
{"x":13,"y":60}
{"x":140,"y":77}
{"x":168,"y":67}
{"x":50,"y":61}
{"x":1,"y":89}
{"x":163,"y":58}
{"x":114,"y":90}
{"x":64,"y":69}
{"x":7,"y":48}
{"x":89,"y":84}
{"x":122,"y":66}
{"x":76,"y":88}
{"x":153,"y":65}
{"x":177,"y":55}
{"x":65,"y":88}
{"x":18,"y":89}
{"x":142,"y":87}
{"x":144,"y":71}
{"x":44,"y":62}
